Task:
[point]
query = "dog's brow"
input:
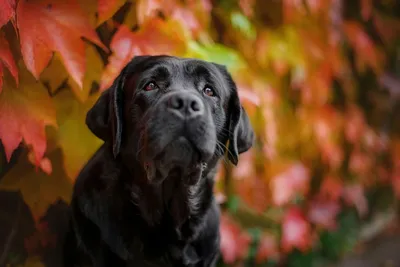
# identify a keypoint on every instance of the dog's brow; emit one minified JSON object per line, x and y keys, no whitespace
{"x":200,"y":70}
{"x":161,"y":72}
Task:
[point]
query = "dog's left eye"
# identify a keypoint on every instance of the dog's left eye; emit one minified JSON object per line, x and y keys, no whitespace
{"x":150,"y":86}
{"x":209,"y":91}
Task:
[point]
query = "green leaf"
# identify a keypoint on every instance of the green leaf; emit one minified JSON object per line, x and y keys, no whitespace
{"x":336,"y":243}
{"x":241,"y":23}
{"x":216,"y":53}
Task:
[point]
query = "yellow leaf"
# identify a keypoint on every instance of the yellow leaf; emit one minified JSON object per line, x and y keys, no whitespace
{"x":76,"y":140}
{"x":55,"y":74}
{"x":92,"y":74}
{"x":33,"y":262}
{"x":38,"y":189}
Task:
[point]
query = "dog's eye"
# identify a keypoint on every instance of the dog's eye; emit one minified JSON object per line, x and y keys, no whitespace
{"x":209,"y":91}
{"x":150,"y":86}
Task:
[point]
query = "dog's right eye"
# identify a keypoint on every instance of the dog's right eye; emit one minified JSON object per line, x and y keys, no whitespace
{"x":150,"y":86}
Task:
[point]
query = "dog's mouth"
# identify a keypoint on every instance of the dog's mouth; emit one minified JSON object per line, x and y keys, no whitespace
{"x":180,"y":157}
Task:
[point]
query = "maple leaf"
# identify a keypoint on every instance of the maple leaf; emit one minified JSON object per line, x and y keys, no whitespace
{"x":292,"y":181}
{"x":7,"y":60}
{"x":7,"y":11}
{"x":38,"y":39}
{"x":38,"y":189}
{"x":107,"y":8}
{"x":268,"y":248}
{"x":155,"y":37}
{"x":295,"y":231}
{"x":24,"y":113}
{"x":234,"y":242}
{"x":77,"y":142}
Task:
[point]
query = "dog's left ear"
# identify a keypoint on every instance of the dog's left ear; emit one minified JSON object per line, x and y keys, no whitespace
{"x":241,"y":133}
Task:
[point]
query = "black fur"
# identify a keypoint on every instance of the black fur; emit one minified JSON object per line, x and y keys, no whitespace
{"x":146,"y":197}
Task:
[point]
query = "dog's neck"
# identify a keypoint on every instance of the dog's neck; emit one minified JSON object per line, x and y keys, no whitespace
{"x":172,"y":200}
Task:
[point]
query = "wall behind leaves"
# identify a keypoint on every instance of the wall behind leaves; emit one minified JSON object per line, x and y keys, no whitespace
{"x":318,"y":79}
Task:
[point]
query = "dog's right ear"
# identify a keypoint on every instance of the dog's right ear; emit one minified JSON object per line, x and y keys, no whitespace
{"x":97,"y":117}
{"x":105,"y":118}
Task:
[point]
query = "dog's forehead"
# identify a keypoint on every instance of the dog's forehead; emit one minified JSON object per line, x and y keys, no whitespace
{"x":181,"y":69}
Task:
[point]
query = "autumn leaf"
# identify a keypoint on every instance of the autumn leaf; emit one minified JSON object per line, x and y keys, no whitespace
{"x":154,"y":37}
{"x":7,"y":11}
{"x":268,"y":248}
{"x":354,"y":195}
{"x":364,"y":48}
{"x":33,"y":262}
{"x":234,"y":242}
{"x":107,"y":8}
{"x":6,"y":60}
{"x":38,"y":189}
{"x":295,"y":231}
{"x":38,"y":40}
{"x":24,"y":113}
{"x":292,"y":181}
{"x":323,"y":213}
{"x":76,"y":140}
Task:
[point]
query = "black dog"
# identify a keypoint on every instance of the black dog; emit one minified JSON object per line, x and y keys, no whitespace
{"x":146,"y":196}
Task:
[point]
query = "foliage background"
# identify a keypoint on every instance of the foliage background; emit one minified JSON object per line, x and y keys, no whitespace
{"x":319,"y":79}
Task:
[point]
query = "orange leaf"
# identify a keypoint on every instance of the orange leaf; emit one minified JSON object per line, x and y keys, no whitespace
{"x":147,"y":9}
{"x":294,"y":180}
{"x":7,"y":11}
{"x":24,"y":113}
{"x":6,"y":59}
{"x":234,"y":242}
{"x":268,"y":248}
{"x":107,"y":8}
{"x":366,"y":52}
{"x":155,"y":36}
{"x":60,"y":28}
{"x":295,"y":231}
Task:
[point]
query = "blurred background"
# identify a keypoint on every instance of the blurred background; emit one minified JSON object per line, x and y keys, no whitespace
{"x":320,"y":80}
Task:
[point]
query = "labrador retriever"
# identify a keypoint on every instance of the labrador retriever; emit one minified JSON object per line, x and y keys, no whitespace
{"x":146,"y":196}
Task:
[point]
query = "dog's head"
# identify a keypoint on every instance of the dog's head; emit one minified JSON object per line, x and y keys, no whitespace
{"x":172,"y":114}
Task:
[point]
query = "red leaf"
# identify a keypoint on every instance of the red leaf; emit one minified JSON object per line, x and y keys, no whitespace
{"x":294,"y":180}
{"x":24,"y":114}
{"x":7,"y":11}
{"x":6,"y":59}
{"x":354,"y":124}
{"x":366,"y":52}
{"x":331,"y":188}
{"x":247,"y":7}
{"x":354,"y":195}
{"x":60,"y":28}
{"x":148,"y":8}
{"x":268,"y":248}
{"x":107,"y":8}
{"x":366,"y":9}
{"x":234,"y":242}
{"x":295,"y":231}
{"x":155,"y":36}
{"x":323,"y":213}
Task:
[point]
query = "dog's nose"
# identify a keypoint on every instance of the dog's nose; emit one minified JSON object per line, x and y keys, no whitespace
{"x":186,"y":105}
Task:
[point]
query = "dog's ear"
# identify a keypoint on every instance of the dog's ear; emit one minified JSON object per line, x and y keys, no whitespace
{"x":105,"y":118}
{"x":241,"y":133}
